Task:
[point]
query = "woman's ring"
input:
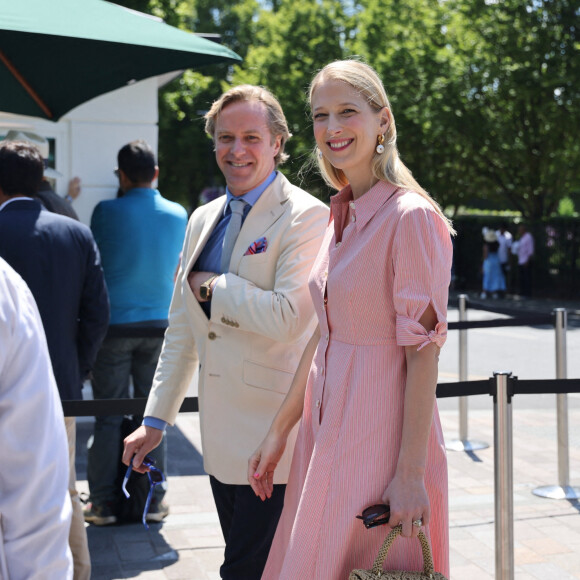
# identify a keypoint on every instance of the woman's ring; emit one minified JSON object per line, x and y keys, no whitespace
{"x":418,"y":523}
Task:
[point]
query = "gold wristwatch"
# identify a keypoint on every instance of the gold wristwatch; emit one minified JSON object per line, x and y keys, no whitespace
{"x":205,"y":289}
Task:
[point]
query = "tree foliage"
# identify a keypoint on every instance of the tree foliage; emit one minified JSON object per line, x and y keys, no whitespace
{"x":520,"y":92}
{"x":485,"y":92}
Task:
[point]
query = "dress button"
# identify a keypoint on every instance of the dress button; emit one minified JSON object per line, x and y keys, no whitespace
{"x":318,"y":404}
{"x":353,"y":218}
{"x":338,"y":244}
{"x":327,"y":337}
{"x":212,"y":335}
{"x":351,"y":203}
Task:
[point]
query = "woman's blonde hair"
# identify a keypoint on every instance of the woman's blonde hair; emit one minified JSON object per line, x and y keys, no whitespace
{"x":386,"y":166}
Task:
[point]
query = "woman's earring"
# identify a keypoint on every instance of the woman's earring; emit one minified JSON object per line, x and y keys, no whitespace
{"x":319,"y":154}
{"x":380,"y":147}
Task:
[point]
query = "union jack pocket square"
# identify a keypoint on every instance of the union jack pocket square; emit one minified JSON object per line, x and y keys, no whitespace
{"x":257,"y":247}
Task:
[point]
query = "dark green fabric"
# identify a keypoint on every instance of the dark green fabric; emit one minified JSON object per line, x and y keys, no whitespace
{"x":70,"y":51}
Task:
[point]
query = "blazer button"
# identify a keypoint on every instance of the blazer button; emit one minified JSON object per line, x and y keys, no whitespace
{"x":212,"y":335}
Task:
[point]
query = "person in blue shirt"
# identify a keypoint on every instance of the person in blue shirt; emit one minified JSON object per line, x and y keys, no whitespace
{"x":140,"y":236}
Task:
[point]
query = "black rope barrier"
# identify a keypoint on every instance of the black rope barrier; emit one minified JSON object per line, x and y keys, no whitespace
{"x":497,"y":322}
{"x":103,"y":407}
{"x":463,"y":389}
{"x":542,"y":387}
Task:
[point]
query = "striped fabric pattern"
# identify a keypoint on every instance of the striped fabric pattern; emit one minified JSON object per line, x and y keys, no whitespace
{"x":384,"y":259}
{"x":257,"y":247}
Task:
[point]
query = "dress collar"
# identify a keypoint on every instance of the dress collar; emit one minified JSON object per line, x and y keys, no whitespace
{"x":365,"y":207}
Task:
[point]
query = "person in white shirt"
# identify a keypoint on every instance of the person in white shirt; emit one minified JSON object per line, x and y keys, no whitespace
{"x":35,"y":507}
{"x":525,"y":253}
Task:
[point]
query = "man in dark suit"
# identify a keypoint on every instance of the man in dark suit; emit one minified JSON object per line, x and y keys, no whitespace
{"x":58,"y":259}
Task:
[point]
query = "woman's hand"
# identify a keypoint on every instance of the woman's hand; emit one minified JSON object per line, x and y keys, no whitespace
{"x":262,"y":464}
{"x":408,"y":500}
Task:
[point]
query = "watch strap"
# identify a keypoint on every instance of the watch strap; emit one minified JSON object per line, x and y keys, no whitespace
{"x":205,"y":289}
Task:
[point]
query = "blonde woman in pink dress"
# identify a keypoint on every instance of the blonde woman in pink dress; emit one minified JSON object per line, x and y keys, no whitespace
{"x":365,"y":388}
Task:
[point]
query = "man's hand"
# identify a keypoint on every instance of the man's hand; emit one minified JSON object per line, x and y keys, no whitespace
{"x":138,"y":444}
{"x":74,"y":188}
{"x":196,"y":279}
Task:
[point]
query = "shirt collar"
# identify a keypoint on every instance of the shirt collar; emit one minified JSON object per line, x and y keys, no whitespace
{"x":18,"y":198}
{"x":141,"y":191}
{"x":365,"y":207}
{"x":252,"y":196}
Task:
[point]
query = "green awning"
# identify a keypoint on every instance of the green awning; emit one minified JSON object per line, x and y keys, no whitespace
{"x":57,"y":54}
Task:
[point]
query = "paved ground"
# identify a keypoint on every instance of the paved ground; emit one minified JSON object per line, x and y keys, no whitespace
{"x":189,"y":544}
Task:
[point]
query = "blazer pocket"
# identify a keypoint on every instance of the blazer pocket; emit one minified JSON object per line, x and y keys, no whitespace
{"x":255,"y":258}
{"x":262,"y":377}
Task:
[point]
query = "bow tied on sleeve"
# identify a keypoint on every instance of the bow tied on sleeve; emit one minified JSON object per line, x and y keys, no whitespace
{"x":438,"y":336}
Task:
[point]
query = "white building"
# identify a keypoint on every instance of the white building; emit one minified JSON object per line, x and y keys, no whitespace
{"x":86,"y":140}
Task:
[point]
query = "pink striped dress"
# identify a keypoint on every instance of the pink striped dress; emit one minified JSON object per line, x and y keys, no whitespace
{"x":384,"y":258}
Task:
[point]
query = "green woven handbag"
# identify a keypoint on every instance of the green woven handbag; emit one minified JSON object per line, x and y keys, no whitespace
{"x":377,"y":572}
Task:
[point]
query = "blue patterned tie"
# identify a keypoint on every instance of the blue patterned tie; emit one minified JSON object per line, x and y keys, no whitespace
{"x":232,"y":231}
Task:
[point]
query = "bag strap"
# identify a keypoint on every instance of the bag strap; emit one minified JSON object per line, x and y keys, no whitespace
{"x":382,"y":555}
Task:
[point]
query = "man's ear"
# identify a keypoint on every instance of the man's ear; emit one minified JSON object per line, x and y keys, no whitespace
{"x":277,"y":143}
{"x":156,"y":174}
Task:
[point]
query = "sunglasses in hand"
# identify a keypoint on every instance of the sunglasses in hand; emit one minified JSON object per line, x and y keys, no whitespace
{"x":155,"y":476}
{"x":375,"y":515}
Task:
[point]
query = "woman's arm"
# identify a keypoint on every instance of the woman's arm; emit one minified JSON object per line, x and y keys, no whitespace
{"x":406,"y":494}
{"x":264,"y":460}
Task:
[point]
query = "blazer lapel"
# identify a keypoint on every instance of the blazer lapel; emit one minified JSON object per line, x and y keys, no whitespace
{"x":268,"y":208}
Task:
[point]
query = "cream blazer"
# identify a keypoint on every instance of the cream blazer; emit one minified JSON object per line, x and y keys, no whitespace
{"x":261,"y":319}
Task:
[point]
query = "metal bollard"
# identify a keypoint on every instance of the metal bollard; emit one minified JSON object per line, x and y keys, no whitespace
{"x":563,"y":490}
{"x":503,"y":476}
{"x":463,"y":443}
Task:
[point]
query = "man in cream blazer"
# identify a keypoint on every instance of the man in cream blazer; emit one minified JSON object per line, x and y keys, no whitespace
{"x":243,"y":324}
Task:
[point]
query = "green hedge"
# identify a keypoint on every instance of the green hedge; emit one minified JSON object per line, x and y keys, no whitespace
{"x":556,"y":261}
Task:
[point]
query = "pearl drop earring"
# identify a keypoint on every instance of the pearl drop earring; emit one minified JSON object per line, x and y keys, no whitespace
{"x":380,"y":148}
{"x":319,"y":154}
